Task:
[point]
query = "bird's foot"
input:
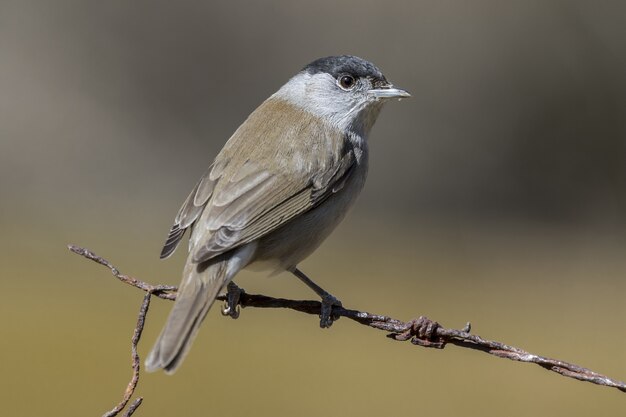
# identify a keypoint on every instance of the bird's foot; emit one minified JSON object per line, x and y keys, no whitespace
{"x":326,"y":315}
{"x":231,"y":306}
{"x":422,"y":332}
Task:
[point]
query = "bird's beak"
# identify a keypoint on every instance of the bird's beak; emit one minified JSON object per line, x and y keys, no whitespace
{"x":389,"y":92}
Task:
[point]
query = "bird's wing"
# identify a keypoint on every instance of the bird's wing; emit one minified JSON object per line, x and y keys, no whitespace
{"x":262,"y":179}
{"x":258,"y":202}
{"x":192,"y":207}
{"x":248,"y":202}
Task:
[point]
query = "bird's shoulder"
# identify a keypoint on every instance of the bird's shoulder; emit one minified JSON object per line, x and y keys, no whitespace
{"x":286,"y":138}
{"x":280,"y":162}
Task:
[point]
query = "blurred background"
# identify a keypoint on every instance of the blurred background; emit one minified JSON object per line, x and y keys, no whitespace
{"x":496,"y":195}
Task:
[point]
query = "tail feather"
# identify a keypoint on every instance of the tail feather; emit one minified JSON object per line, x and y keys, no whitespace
{"x":193,"y":301}
{"x":200,"y":285}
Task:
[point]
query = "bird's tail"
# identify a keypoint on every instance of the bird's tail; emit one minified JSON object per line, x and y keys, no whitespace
{"x":200,"y":286}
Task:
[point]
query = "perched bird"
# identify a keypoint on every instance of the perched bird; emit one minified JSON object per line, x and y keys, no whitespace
{"x":277,"y":189}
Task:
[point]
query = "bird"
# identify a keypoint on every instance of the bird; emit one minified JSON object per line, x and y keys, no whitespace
{"x":280,"y":185}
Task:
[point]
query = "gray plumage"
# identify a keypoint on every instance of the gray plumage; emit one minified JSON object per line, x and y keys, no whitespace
{"x":280,"y":185}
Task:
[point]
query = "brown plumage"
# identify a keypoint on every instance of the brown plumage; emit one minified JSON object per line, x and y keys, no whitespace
{"x":277,"y":189}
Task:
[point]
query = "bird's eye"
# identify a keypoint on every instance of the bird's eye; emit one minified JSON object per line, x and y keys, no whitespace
{"x":347,"y":82}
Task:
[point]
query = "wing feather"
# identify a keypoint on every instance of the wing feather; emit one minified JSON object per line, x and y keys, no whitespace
{"x":241,"y":198}
{"x":192,"y":208}
{"x":267,"y":207}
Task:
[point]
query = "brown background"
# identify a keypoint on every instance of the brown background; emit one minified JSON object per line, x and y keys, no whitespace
{"x":497,"y":194}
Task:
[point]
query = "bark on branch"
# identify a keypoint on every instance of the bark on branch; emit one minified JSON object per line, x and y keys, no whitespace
{"x":420,"y":332}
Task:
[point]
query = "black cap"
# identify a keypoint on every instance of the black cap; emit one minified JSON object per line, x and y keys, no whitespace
{"x":346,"y":64}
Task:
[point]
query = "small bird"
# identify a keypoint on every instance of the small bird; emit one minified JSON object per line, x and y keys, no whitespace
{"x":277,"y":189}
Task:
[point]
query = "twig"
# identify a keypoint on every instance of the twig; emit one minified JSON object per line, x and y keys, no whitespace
{"x":130,"y":389}
{"x":421,"y":332}
{"x":134,"y":406}
{"x":436,"y":337}
{"x":167,"y":292}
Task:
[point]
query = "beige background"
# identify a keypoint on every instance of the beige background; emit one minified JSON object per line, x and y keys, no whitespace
{"x":496,"y":195}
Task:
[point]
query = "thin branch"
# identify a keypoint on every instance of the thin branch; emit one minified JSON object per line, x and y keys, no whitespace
{"x":134,"y":406}
{"x":418,"y":332}
{"x":421,"y":332}
{"x":130,"y":389}
{"x":167,"y":292}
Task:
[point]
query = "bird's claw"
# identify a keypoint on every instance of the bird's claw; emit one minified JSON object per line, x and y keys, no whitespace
{"x":231,"y":306}
{"x":326,"y":314}
{"x":233,"y":313}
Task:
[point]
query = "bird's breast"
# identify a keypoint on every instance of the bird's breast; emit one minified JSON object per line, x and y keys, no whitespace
{"x":287,"y":246}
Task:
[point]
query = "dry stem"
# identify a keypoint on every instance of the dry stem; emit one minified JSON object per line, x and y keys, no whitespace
{"x":421,"y":332}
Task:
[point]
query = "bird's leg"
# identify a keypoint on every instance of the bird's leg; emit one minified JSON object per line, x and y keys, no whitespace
{"x":231,"y":307}
{"x":328,"y":300}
